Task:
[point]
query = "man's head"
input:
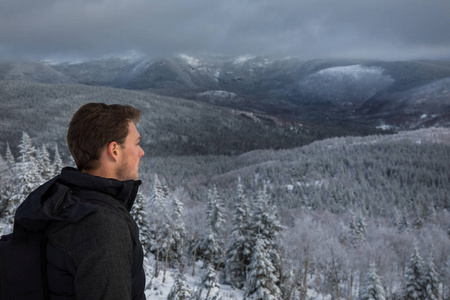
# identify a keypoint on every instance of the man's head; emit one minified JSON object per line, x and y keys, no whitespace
{"x":105,"y":136}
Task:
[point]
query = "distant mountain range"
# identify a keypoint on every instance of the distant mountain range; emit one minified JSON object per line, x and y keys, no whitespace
{"x":319,"y":98}
{"x":401,"y":95}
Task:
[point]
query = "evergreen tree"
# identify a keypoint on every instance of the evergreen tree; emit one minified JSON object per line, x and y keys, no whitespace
{"x":239,"y":251}
{"x":28,"y":175}
{"x":177,"y":228}
{"x":9,"y":156}
{"x":158,"y":203}
{"x":404,"y":225}
{"x":262,"y":281}
{"x":215,"y":211}
{"x":43,"y":162}
{"x":418,"y":220}
{"x":264,"y":275}
{"x":209,"y":280}
{"x":413,"y":288}
{"x":357,"y":227}
{"x":140,"y":215}
{"x":180,"y":289}
{"x":372,"y":288}
{"x":158,"y":221}
{"x":211,"y":245}
{"x":431,"y":281}
{"x":171,"y":233}
{"x":397,"y":219}
{"x":265,"y":224}
{"x":57,"y":162}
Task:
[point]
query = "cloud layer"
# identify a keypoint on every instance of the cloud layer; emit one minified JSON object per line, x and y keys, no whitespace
{"x":382,"y":29}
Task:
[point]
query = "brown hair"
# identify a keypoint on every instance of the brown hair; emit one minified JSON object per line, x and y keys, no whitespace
{"x":94,"y":126}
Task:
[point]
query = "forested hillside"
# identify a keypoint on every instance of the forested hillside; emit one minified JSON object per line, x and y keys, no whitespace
{"x":335,"y":217}
{"x":170,"y":126}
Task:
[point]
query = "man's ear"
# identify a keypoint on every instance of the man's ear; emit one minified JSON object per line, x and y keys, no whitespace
{"x":113,"y":150}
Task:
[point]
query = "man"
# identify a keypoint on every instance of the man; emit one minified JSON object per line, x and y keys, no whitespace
{"x":93,"y":249}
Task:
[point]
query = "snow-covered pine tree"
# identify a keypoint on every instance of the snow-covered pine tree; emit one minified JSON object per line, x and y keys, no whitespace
{"x":215,"y":212}
{"x":413,"y":288}
{"x":209,"y":280}
{"x":405,"y":224}
{"x":43,"y":162}
{"x":9,"y":156}
{"x":430,"y":281}
{"x":165,"y":188}
{"x":177,"y":228}
{"x":265,"y":224}
{"x":397,"y":219}
{"x":171,"y":233}
{"x":211,"y":245}
{"x":9,"y":170}
{"x":239,"y":251}
{"x":372,"y":288}
{"x":357,"y":227}
{"x":57,"y":162}
{"x":180,"y":289}
{"x":158,"y":203}
{"x":140,"y":215}
{"x":265,"y":231}
{"x":261,"y":278}
{"x":158,"y":221}
{"x":418,"y":220}
{"x":29,"y":176}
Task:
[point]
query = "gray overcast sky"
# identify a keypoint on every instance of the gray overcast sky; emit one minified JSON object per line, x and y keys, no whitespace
{"x":379,"y":29}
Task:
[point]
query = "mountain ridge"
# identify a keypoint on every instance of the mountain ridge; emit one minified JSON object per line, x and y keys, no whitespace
{"x":346,"y":93}
{"x":289,"y":86}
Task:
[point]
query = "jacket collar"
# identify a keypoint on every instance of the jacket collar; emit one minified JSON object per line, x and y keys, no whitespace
{"x":46,"y":202}
{"x":124,"y":191}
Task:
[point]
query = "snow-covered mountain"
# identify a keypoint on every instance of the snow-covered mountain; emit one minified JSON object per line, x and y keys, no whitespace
{"x":31,"y":71}
{"x":345,"y":85}
{"x":318,"y":91}
{"x":333,"y":92}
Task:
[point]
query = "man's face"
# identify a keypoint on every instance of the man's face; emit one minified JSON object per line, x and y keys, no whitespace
{"x":130,"y":155}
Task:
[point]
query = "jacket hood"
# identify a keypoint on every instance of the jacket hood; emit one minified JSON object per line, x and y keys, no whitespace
{"x":55,"y":200}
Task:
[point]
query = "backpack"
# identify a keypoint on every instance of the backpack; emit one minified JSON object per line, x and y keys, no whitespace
{"x":22,"y":265}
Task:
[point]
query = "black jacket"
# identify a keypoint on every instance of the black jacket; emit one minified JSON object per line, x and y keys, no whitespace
{"x":93,"y":249}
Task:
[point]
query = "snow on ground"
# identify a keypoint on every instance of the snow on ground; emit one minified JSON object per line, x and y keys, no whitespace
{"x":354,"y":71}
{"x":159,"y":290}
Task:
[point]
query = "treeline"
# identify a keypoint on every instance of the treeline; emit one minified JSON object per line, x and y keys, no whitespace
{"x":374,"y":174}
{"x":321,"y":219}
{"x":18,"y":178}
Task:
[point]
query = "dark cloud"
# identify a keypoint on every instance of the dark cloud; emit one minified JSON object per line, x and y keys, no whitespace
{"x":383,"y":29}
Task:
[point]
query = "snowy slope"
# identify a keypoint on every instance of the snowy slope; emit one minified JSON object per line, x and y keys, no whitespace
{"x":345,"y":84}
